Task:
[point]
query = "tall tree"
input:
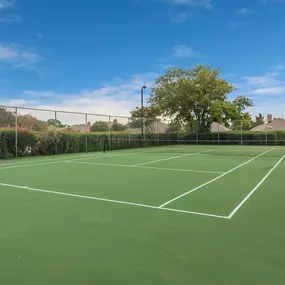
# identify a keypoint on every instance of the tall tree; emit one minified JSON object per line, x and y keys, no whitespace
{"x":32,"y":123}
{"x":244,"y":123}
{"x":150,"y":117}
{"x":117,"y":127}
{"x":174,"y":127}
{"x":56,"y":123}
{"x":99,"y":127}
{"x":6,"y":117}
{"x":259,"y":120}
{"x":196,"y":97}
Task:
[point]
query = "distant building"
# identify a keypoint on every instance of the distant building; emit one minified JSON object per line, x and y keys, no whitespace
{"x":218,"y":128}
{"x":80,"y":128}
{"x":271,"y":126}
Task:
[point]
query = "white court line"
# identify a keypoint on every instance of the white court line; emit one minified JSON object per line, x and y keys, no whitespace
{"x":36,"y":160}
{"x":146,"y":167}
{"x":255,"y":188}
{"x":169,"y":158}
{"x":60,"y":160}
{"x":213,"y":180}
{"x":109,"y":200}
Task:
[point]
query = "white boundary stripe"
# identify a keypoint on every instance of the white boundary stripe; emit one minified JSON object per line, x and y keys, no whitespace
{"x":56,"y":158}
{"x":169,"y":158}
{"x":109,"y":200}
{"x":213,"y":180}
{"x":145,"y":167}
{"x":60,"y":161}
{"x":255,"y":188}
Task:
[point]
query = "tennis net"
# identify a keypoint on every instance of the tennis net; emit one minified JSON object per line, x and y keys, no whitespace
{"x":223,"y":148}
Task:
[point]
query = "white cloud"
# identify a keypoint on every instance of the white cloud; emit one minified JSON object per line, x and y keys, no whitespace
{"x":13,"y":18}
{"x":41,"y":94}
{"x":183,"y":51}
{"x":20,"y":102}
{"x":181,"y":17}
{"x":268,"y":84}
{"x":279,"y":66}
{"x":269,"y":107}
{"x":275,"y":90}
{"x":17,"y":57}
{"x":266,"y":80}
{"x":243,"y":11}
{"x":116,"y":99}
{"x":208,"y":4}
{"x":5,"y":4}
{"x":239,"y":24}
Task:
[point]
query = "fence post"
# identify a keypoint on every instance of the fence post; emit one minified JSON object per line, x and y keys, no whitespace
{"x":218,"y":133}
{"x":16,"y":132}
{"x":110,"y":143}
{"x":86,"y":135}
{"x":55,"y":121}
{"x":241,"y":126}
{"x":197,"y":132}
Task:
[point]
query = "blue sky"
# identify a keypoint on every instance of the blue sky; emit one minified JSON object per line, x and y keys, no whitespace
{"x":93,"y":56}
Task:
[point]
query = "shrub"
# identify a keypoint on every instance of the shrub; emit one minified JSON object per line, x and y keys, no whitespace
{"x":31,"y":143}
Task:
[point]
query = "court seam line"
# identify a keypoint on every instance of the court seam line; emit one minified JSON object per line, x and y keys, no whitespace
{"x":170,"y":158}
{"x":109,"y":200}
{"x":255,"y":188}
{"x":60,"y":161}
{"x":145,"y":167}
{"x":213,"y":180}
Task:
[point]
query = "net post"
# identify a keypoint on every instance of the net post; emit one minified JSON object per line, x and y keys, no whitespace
{"x":86,"y":135}
{"x":110,"y":143}
{"x":16,"y":132}
{"x":104,"y":143}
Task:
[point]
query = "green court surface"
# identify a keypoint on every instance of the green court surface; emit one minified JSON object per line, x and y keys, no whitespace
{"x":201,"y":215}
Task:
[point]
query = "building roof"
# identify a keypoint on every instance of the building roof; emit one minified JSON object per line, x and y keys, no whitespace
{"x":215,"y":128}
{"x":275,"y":125}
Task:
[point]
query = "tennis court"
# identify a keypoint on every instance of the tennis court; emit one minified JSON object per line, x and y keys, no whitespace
{"x":183,"y":214}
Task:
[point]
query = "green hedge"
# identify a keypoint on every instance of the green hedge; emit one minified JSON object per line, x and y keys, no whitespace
{"x":31,"y":143}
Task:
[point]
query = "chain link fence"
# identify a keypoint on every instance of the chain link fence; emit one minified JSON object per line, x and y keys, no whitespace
{"x":28,"y":131}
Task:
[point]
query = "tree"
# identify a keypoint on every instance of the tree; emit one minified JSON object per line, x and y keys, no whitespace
{"x":174,"y":127}
{"x":55,"y":123}
{"x":150,"y":117}
{"x":99,"y":126}
{"x":32,"y":123}
{"x":196,"y":97}
{"x":6,"y":117}
{"x":244,"y":124}
{"x":259,"y":120}
{"x":117,"y":127}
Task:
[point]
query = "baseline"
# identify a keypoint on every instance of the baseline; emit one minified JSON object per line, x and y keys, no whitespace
{"x":213,"y":180}
{"x":61,"y":160}
{"x":110,"y":200}
{"x":254,"y":189}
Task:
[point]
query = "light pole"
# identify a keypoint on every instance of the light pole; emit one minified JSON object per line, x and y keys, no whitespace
{"x":142,"y":109}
